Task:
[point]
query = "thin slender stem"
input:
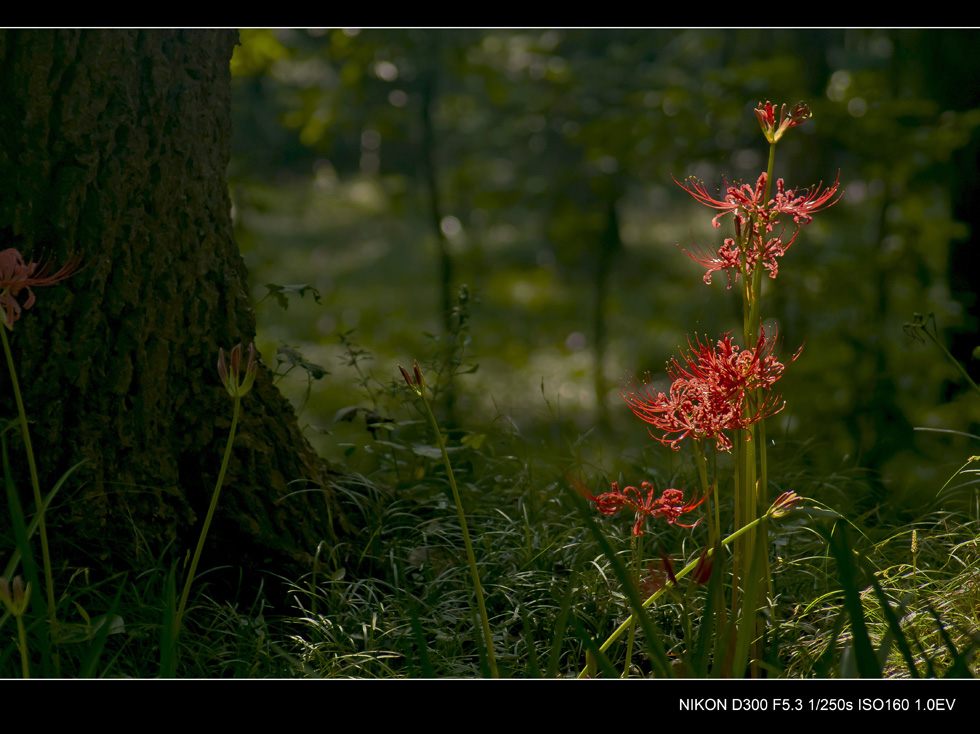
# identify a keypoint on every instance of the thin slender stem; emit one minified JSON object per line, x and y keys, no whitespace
{"x":25,"y":667}
{"x":35,"y":482}
{"x":769,"y":169}
{"x":471,"y":557}
{"x":207,"y":521}
{"x":632,"y":635}
{"x":714,"y":521}
{"x":951,"y":358}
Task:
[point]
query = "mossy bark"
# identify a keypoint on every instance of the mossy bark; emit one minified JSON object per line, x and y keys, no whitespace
{"x":114,"y":147}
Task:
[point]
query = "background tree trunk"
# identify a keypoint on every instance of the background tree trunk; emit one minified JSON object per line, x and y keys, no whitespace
{"x":114,"y":146}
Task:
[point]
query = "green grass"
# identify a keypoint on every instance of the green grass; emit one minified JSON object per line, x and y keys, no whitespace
{"x":394,"y":598}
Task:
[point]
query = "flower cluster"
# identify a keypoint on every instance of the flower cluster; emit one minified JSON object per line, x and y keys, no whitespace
{"x":17,"y":276}
{"x":708,"y":392}
{"x":755,"y":221}
{"x":670,"y":505}
{"x":755,"y":214}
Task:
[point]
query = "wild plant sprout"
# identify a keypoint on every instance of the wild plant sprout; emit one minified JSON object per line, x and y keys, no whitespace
{"x":720,"y":393}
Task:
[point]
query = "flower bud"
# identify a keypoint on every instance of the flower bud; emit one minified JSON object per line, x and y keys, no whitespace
{"x":766,"y":113}
{"x":418,"y":384}
{"x":235,"y":387}
{"x":17,"y":602}
{"x":784,"y":504}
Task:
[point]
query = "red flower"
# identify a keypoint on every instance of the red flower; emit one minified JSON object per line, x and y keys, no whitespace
{"x":707,"y":392}
{"x":669,"y":505}
{"x":755,"y":220}
{"x":15,"y":277}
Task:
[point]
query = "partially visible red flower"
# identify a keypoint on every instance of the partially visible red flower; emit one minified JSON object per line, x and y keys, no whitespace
{"x":702,"y":572}
{"x":655,"y":580}
{"x":16,"y":276}
{"x":668,"y":566}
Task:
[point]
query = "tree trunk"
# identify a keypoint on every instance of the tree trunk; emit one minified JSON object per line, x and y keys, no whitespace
{"x":114,"y":147}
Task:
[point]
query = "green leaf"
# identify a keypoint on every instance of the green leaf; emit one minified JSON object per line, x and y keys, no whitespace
{"x":865,"y":658}
{"x":817,"y":512}
{"x":279,"y":292}
{"x":346,"y":414}
{"x":293,"y":357}
{"x":431,"y":452}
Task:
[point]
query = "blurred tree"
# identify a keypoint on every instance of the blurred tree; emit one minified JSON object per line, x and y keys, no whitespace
{"x":114,"y":147}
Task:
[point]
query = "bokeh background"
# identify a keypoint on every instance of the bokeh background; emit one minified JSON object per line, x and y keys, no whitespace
{"x":386,"y":169}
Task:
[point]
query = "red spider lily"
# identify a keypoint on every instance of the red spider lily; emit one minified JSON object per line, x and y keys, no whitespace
{"x":755,"y":219}
{"x":767,"y":119}
{"x":691,"y":408}
{"x":16,"y":276}
{"x":670,"y":505}
{"x":707,"y":392}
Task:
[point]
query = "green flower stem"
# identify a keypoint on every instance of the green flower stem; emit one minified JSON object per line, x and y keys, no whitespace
{"x":753,"y":306}
{"x":669,"y":584}
{"x":949,"y":356}
{"x":769,"y":169}
{"x":471,"y":557}
{"x":634,"y":543}
{"x":714,"y":520}
{"x":22,"y":644}
{"x":35,"y":482}
{"x":207,"y":520}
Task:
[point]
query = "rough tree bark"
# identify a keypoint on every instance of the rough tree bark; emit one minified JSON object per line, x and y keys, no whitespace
{"x":114,"y":146}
